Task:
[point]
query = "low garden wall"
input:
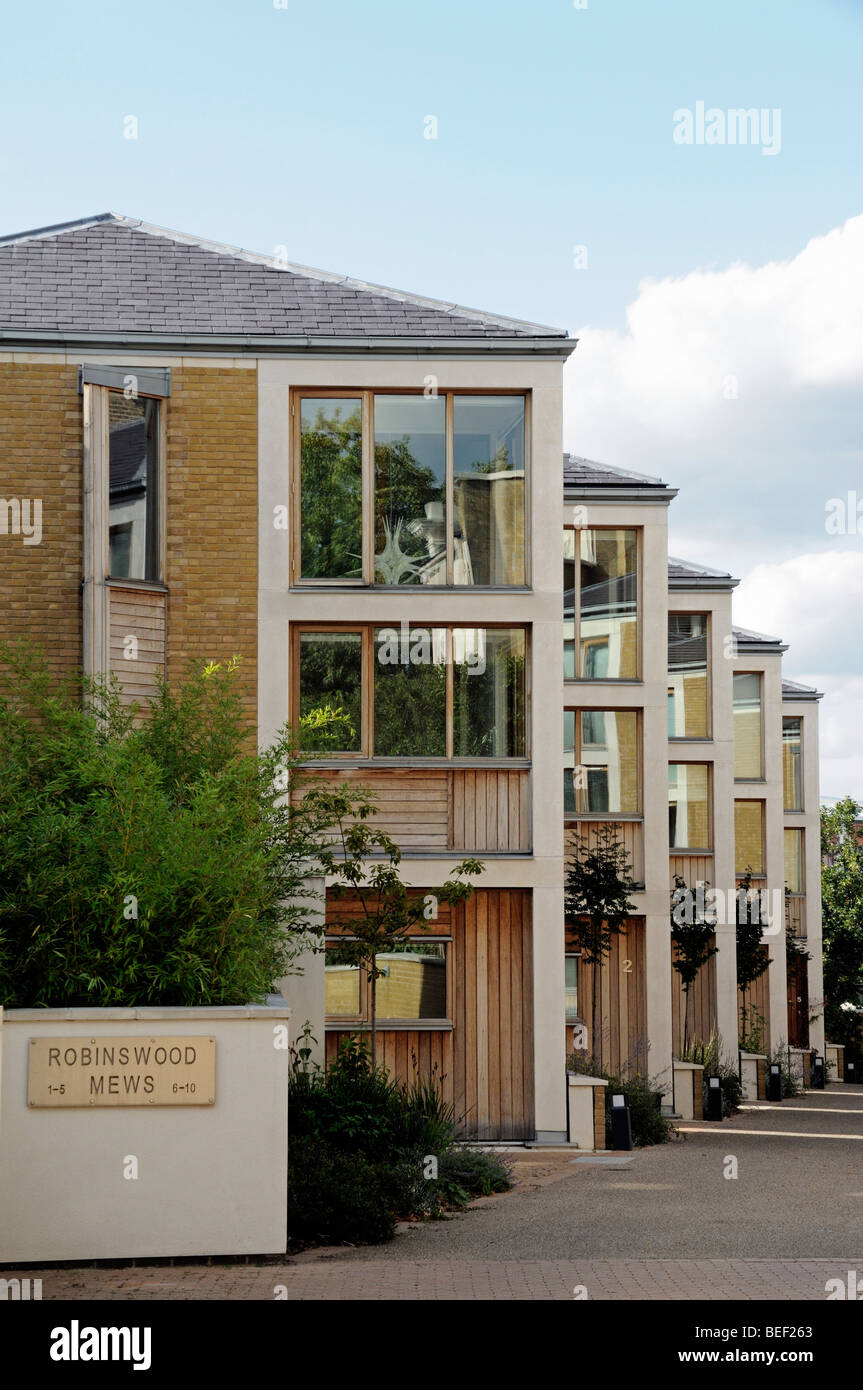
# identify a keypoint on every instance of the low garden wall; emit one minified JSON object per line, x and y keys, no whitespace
{"x":143,"y":1132}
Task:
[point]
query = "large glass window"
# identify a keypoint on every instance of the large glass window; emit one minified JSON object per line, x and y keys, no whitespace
{"x":440,"y":692}
{"x":601,"y":762}
{"x":446,"y":500}
{"x":600,"y":583}
{"x":488,"y":490}
{"x":413,"y":984}
{"x":488,"y":692}
{"x":792,"y":764}
{"x":572,"y":1014}
{"x":410,"y":490}
{"x":331,"y":475}
{"x":689,"y":806}
{"x":749,"y":837}
{"x":687,"y":675}
{"x":330,"y":691}
{"x":410,"y":692}
{"x":133,"y":461}
{"x":569,"y":589}
{"x":748,"y":764}
{"x":794,"y":861}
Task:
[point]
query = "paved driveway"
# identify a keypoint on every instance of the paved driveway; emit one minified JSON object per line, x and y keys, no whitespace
{"x":660,"y":1223}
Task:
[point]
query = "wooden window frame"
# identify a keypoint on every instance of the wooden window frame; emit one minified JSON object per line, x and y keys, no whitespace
{"x":757,"y":874}
{"x":698,"y":849}
{"x":638,"y":815}
{"x":708,"y":631}
{"x":739,"y":781}
{"x":576,"y":603}
{"x":367,"y":733}
{"x":363,"y":1018}
{"x":794,"y":810}
{"x":366,"y":395}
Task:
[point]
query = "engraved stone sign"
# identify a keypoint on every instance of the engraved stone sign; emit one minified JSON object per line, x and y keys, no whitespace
{"x":121,"y":1071}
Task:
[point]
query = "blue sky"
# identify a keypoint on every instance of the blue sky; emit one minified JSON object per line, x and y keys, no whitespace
{"x":304,"y":127}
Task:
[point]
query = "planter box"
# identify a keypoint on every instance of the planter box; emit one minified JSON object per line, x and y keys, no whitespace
{"x":688,"y":1092}
{"x":182,"y":1174}
{"x":753,"y":1075}
{"x":586,"y":1111}
{"x":800,"y":1061}
{"x":834,"y":1061}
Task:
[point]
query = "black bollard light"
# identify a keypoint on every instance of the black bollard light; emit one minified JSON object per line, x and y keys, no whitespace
{"x":621,"y":1129}
{"x":774,"y":1082}
{"x":714,"y":1098}
{"x":818,"y":1074}
{"x":851,"y":1072}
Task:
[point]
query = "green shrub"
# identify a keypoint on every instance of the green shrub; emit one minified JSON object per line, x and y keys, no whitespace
{"x":335,"y":1197}
{"x":647,"y":1122}
{"x":356,"y":1113}
{"x":644,"y":1098}
{"x":167,"y":850}
{"x":792,"y":1084}
{"x":475,"y":1172}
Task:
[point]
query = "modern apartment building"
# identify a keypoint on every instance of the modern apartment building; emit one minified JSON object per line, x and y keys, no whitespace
{"x":359,"y":492}
{"x":681,"y":733}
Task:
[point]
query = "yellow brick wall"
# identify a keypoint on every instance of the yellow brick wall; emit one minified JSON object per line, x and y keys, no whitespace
{"x":211,"y":514}
{"x":41,"y":456}
{"x":212,"y":521}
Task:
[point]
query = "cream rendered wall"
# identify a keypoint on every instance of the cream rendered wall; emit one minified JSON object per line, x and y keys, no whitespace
{"x":541,"y":607}
{"x":770,"y":791}
{"x":810,"y":822}
{"x":650,"y":696}
{"x":719,"y":752}
{"x":212,"y":1180}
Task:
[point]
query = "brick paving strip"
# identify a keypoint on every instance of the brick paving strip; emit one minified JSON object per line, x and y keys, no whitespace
{"x":322,"y":1276}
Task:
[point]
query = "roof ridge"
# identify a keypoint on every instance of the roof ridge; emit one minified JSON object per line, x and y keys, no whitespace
{"x":294,"y":268}
{"x":609,"y":468}
{"x":699,"y":569}
{"x":750,"y":632}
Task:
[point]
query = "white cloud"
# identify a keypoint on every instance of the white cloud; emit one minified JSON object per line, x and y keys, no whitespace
{"x":841,"y":748}
{"x":741,"y":387}
{"x":775,"y":329}
{"x":813,"y":602}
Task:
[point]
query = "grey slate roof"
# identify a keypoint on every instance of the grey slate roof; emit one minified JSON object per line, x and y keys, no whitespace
{"x":793,"y":690}
{"x":116,"y":275}
{"x":581,"y":472}
{"x":683,"y":574}
{"x":755,"y":641}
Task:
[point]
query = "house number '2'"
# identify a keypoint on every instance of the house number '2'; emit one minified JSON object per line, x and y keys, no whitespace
{"x":627,"y":967}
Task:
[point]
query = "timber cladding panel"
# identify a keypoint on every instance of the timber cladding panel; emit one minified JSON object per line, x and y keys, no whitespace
{"x":41,"y":457}
{"x":138,"y":613}
{"x":622,"y":1043}
{"x":485,"y":1062}
{"x":212,"y":521}
{"x":493,"y":1060}
{"x":757,"y":1006}
{"x":432,"y":810}
{"x":702,"y":1003}
{"x":630,"y":834}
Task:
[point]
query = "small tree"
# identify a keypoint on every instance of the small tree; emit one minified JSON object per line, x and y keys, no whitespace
{"x":596,"y":903}
{"x":154,"y":861}
{"x":692,"y":932}
{"x":752,"y":956}
{"x":391,"y":910}
{"x":842,"y":900}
